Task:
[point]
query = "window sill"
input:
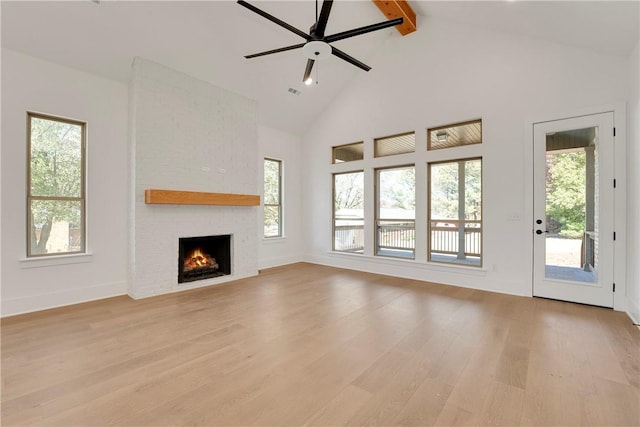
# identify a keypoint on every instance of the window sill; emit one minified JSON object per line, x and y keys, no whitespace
{"x":48,"y":261}
{"x":279,"y":239}
{"x":347,"y":254}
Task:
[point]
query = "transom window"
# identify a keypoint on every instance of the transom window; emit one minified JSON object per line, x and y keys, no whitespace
{"x":56,"y":185}
{"x":348,"y":152}
{"x":395,"y":144}
{"x":455,"y":135}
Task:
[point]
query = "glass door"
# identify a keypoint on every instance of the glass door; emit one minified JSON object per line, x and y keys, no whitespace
{"x":573,"y":209}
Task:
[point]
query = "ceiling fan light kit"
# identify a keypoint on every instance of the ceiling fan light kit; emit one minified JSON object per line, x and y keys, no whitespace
{"x":317,"y":45}
{"x":317,"y":50}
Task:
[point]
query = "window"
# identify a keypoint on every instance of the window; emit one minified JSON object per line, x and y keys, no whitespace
{"x":348,"y":153}
{"x":396,"y":144}
{"x":348,"y":212}
{"x":395,"y":213}
{"x":56,"y":185}
{"x":272,"y":198}
{"x":455,"y":212}
{"x":455,"y":135}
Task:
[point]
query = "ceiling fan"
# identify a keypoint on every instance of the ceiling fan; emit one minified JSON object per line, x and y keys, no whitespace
{"x":317,"y":44}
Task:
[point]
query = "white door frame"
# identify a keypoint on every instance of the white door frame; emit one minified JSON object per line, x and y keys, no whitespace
{"x":620,"y":194}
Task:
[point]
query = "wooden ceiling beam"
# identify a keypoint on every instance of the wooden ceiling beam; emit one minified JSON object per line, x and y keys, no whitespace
{"x":399,"y":9}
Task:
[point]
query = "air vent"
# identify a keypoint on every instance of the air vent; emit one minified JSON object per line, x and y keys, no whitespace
{"x":294,"y":91}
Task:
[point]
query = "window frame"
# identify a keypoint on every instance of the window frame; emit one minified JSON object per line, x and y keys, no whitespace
{"x":83,"y":184}
{"x":429,"y":204}
{"x":279,"y":205}
{"x":376,"y":141}
{"x":333,"y":210}
{"x":351,"y":144}
{"x":453,"y":125}
{"x":377,"y":219}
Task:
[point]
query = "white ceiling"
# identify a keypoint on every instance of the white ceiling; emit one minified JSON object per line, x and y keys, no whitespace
{"x":208,"y":39}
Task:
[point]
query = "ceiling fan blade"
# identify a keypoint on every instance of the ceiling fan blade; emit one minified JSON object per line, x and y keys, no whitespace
{"x":274,"y":19}
{"x":363,"y":30}
{"x":350,"y":59}
{"x":269,"y":52}
{"x":324,"y":18}
{"x":307,"y":71}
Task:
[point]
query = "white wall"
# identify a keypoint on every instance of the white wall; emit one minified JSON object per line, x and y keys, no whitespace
{"x":460,"y":73}
{"x":633,"y":189}
{"x":446,"y":73}
{"x":286,"y":147}
{"x":30,"y":84}
{"x":187,"y":134}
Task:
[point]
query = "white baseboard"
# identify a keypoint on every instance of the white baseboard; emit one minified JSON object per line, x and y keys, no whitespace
{"x":279,"y":261}
{"x":150,"y":292}
{"x":461,"y":276}
{"x":633,"y":311}
{"x":22,"y":305}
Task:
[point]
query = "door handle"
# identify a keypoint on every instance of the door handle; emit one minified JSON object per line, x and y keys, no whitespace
{"x":541,"y":231}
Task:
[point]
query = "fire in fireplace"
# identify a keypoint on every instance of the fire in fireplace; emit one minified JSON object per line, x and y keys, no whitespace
{"x":203,"y":257}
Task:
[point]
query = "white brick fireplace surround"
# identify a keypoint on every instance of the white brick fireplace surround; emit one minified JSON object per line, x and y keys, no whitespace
{"x":187,"y":134}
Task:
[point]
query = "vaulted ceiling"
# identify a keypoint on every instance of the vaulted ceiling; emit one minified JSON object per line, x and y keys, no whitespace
{"x":208,"y":39}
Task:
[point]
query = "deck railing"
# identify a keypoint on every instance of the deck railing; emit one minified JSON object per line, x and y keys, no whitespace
{"x":397,"y":234}
{"x":448,"y":234}
{"x":349,"y":238}
{"x":446,"y":237}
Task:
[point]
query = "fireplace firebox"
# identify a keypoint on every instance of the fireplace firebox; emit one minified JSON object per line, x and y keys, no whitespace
{"x":203,"y":257}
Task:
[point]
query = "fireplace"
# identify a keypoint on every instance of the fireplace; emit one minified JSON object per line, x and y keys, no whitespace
{"x":203,"y":257}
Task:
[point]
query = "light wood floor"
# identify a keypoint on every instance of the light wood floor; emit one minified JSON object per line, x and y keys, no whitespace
{"x":307,"y":344}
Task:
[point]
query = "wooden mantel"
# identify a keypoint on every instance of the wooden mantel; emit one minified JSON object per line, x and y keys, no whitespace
{"x":175,"y":197}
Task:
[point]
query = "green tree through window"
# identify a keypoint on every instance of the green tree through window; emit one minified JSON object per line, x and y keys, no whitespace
{"x":56,"y":203}
{"x":566,"y":183}
{"x":395,"y":214}
{"x":455,"y":212}
{"x":272,"y":198}
{"x":348,"y":212}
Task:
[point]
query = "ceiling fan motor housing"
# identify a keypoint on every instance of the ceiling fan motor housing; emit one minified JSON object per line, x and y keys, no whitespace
{"x":317,"y":49}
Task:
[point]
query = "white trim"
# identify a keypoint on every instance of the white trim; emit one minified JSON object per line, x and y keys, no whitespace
{"x":412,"y":263}
{"x":22,"y":305}
{"x":441,"y":275}
{"x":148,"y":292}
{"x":275,"y":239}
{"x":620,"y":207}
{"x":48,"y":261}
{"x":619,"y":116}
{"x":369,"y":263}
{"x":279,"y":261}
{"x":633,"y":311}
